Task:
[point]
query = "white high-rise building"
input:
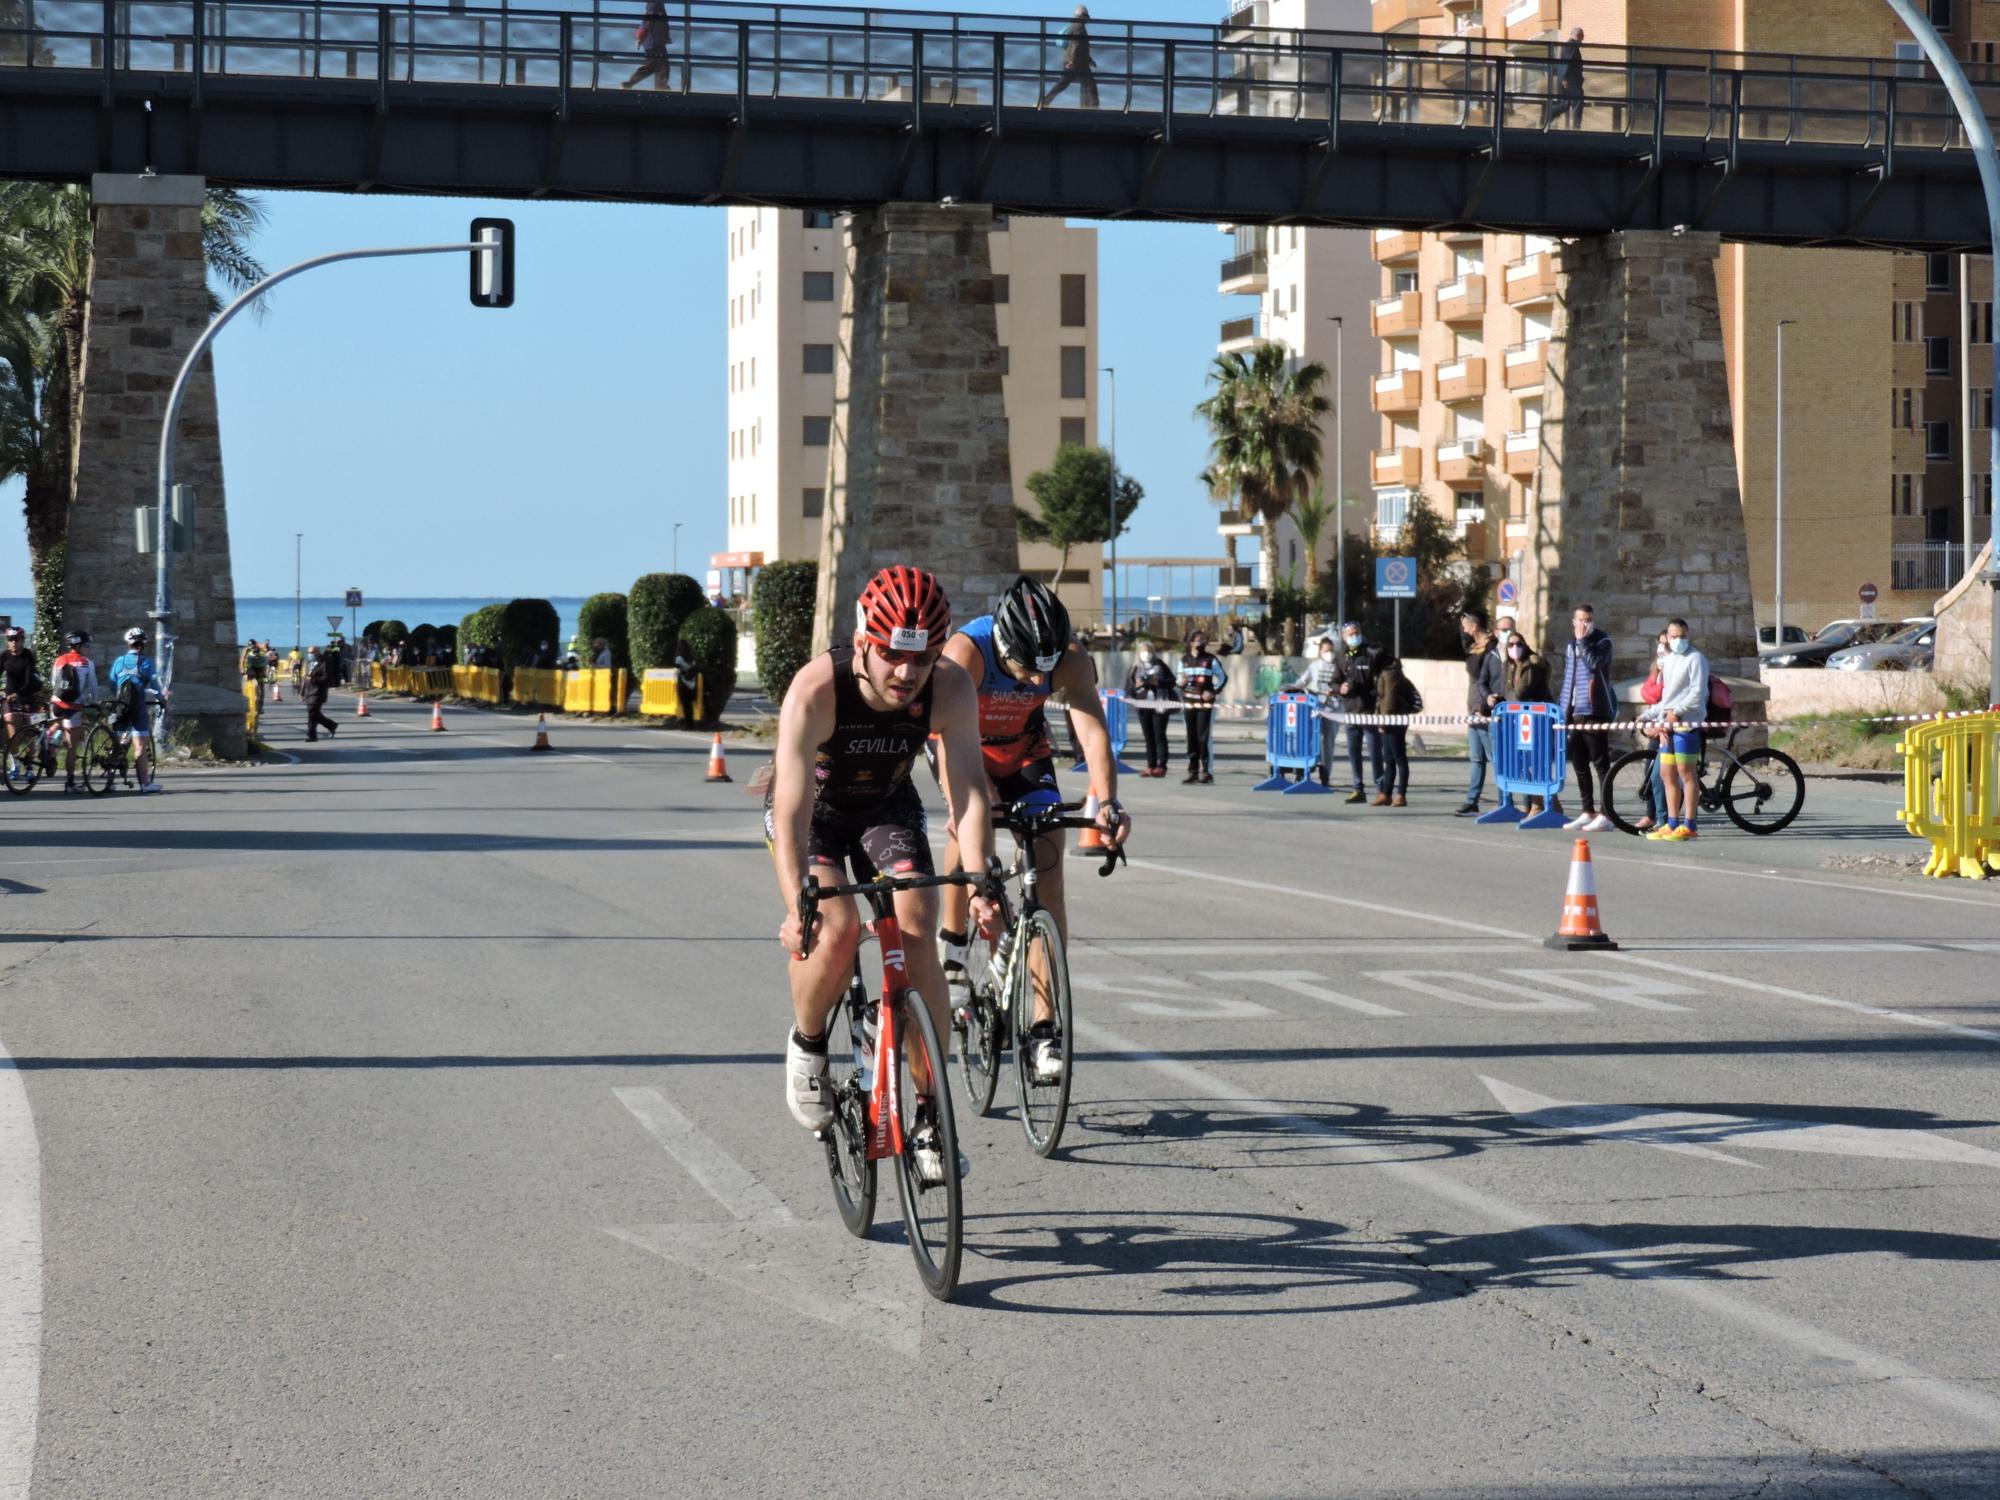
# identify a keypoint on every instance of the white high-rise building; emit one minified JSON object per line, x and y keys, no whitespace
{"x":787,"y":274}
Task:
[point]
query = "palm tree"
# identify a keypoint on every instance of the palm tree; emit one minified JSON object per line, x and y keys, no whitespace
{"x":1264,"y":437}
{"x":1311,"y":513}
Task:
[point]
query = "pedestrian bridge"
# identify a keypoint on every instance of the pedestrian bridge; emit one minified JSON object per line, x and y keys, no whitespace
{"x":822,"y":107}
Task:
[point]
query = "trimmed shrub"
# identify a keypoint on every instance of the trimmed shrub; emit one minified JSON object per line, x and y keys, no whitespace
{"x":371,"y":632}
{"x":421,"y":639}
{"x":446,"y":637}
{"x":604,"y":615}
{"x":781,"y":604}
{"x":709,"y":637}
{"x":655,"y":608}
{"x":391,"y":633}
{"x":524,"y":625}
{"x":482,"y":626}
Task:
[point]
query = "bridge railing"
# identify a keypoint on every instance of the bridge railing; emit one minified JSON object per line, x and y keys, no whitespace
{"x":1152,"y":71}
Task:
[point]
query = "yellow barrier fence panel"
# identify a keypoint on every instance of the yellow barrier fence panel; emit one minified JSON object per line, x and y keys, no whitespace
{"x":660,"y":693}
{"x":538,"y":687}
{"x":250,"y":709}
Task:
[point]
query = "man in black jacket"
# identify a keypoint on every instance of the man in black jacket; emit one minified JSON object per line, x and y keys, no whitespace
{"x":1485,"y":685}
{"x":1356,"y":664}
{"x":317,"y":680}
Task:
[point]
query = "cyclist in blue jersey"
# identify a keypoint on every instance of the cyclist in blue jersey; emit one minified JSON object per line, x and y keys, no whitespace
{"x":133,"y":679}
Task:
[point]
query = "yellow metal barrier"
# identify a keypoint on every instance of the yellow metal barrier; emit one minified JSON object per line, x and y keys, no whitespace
{"x":1951,"y":793}
{"x":538,"y":687}
{"x":252,"y":701}
{"x":660,"y":695}
{"x":478,"y":684}
{"x":594,"y":691}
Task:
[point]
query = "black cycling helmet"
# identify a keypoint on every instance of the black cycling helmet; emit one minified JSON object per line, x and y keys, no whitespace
{"x":77,"y":638}
{"x":1030,"y":625}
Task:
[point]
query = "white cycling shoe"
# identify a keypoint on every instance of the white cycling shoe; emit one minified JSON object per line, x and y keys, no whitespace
{"x":927,"y":1152}
{"x":805,"y":1084}
{"x":1045,"y":1059}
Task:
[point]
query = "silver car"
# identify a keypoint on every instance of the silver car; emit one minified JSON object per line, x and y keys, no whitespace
{"x":1908,"y":650}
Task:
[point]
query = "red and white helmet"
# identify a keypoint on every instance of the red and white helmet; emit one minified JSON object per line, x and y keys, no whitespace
{"x":904,"y":609}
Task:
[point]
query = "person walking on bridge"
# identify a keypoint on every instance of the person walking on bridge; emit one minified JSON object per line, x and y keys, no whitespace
{"x":654,"y":37}
{"x":1077,"y":65}
{"x":1569,"y":83}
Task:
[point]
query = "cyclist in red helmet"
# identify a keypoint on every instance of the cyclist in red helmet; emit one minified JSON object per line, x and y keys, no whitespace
{"x":853,"y":723}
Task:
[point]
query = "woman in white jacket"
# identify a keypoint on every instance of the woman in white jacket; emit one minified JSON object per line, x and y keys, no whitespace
{"x":1683,"y":700}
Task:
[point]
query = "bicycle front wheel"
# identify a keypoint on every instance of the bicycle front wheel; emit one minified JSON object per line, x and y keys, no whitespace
{"x":103,"y":758}
{"x":846,"y":1135}
{"x":979,"y":1026}
{"x":1763,"y":791}
{"x":933,"y":1211}
{"x":1625,"y":799}
{"x":1041,"y":984}
{"x":24,"y":760}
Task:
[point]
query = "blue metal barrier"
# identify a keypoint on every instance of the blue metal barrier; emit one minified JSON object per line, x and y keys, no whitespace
{"x":1118,"y":721}
{"x":1530,"y":755}
{"x":1291,"y":743}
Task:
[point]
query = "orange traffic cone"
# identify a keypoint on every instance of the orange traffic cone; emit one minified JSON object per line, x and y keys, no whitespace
{"x":437,"y":718}
{"x":360,"y":705}
{"x":541,"y":732}
{"x":718,"y":768}
{"x":1580,"y":927}
{"x":1090,"y":841}
{"x":277,"y":690}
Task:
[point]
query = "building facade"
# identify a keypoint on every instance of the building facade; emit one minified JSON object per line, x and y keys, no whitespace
{"x":1464,"y":359}
{"x":786,"y":288}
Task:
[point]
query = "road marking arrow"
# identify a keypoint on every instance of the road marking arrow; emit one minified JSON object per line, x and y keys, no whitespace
{"x":1698,"y":1134}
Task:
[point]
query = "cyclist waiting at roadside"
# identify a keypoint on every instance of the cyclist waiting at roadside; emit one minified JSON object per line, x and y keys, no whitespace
{"x":133,"y":678}
{"x":72,"y":689}
{"x":1683,"y":700}
{"x":1019,"y":655}
{"x":853,"y":722}
{"x":20,"y":680}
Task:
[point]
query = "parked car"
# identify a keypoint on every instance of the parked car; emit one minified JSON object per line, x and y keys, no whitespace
{"x":1908,"y":650}
{"x":1767,"y":636}
{"x":1835,"y":635}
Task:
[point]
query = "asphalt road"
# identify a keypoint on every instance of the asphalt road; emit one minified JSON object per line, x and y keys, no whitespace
{"x":406,"y":1121}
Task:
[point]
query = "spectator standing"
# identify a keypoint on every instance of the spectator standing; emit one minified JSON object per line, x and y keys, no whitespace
{"x":1485,"y":684}
{"x":1394,"y":694}
{"x":1357,"y":664}
{"x":1322,"y":680}
{"x":1569,"y":95}
{"x":1587,"y":698}
{"x":1649,"y":693}
{"x":600,"y":654}
{"x":1077,"y":64}
{"x":72,"y":688}
{"x":654,"y":37}
{"x":544,"y":658}
{"x":1151,"y":680}
{"x":315,"y":687}
{"x":1683,"y":700}
{"x":1526,"y":677}
{"x":1199,"y":679}
{"x":687,"y":683}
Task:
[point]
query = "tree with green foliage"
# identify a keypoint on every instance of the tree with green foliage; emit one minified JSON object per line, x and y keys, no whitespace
{"x":392,"y":633}
{"x":709,"y":638}
{"x":654,"y":610}
{"x":420,"y":640}
{"x":1264,"y":437}
{"x":1075,"y":496}
{"x":525,"y":625}
{"x":604,"y":616}
{"x":446,"y":639}
{"x":482,"y":626}
{"x":371,"y":632}
{"x":1310,"y":513}
{"x":1447,"y":585}
{"x":781,"y":606}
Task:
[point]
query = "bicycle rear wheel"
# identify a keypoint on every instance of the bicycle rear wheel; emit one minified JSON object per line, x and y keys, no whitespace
{"x":103,"y":758}
{"x":1763,"y":791}
{"x":846,"y":1135}
{"x":1625,"y":800}
{"x":933,"y":1212}
{"x":1039,"y":964}
{"x":24,"y":760}
{"x":979,"y":1026}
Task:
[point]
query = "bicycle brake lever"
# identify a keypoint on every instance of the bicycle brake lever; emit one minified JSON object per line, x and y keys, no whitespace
{"x":1113,"y":857}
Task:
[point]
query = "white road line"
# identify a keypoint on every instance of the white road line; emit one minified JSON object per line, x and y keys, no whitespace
{"x":1328,"y":897}
{"x":720,"y":1174}
{"x":1167,"y":947}
{"x":1299,"y":982}
{"x":20,"y":1283}
{"x":1981,"y":1410}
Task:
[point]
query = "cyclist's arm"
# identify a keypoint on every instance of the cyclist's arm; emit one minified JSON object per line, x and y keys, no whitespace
{"x":955,"y":717}
{"x":1075,"y":678}
{"x":804,"y":724}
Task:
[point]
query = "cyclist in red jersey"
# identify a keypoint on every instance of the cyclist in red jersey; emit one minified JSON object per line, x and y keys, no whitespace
{"x":853,"y":723}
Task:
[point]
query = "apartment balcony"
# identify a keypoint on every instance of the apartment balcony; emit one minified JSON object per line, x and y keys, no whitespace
{"x":1234,"y":523}
{"x":1392,"y":245}
{"x":1397,"y":316}
{"x":1387,"y":15}
{"x":1523,"y":452}
{"x":1398,"y":391}
{"x":1397,"y":466}
{"x":1244,"y":273}
{"x":1237,"y":581}
{"x":1392,"y":514}
{"x":1460,"y":9}
{"x":1528,"y":19}
{"x":1462,"y":463}
{"x":1462,"y":380}
{"x":1527,"y":365}
{"x":1238,"y":336}
{"x":1461,"y":236}
{"x":1463,"y":300}
{"x":1531,"y":280}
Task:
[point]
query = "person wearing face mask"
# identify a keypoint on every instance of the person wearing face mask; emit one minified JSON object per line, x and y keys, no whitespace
{"x":1151,"y":680}
{"x":1649,"y":692}
{"x":1199,"y":679}
{"x":1321,"y":678}
{"x":1526,"y":680}
{"x":1357,"y":664}
{"x":1683,"y":700}
{"x":1587,"y":698}
{"x":1484,"y":684}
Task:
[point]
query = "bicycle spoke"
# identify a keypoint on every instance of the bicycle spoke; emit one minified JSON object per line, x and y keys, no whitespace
{"x":1041,"y":1000}
{"x":846,"y":1136}
{"x":933,"y":1214}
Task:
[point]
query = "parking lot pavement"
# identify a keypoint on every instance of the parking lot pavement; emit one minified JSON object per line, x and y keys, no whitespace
{"x":406,"y":1120}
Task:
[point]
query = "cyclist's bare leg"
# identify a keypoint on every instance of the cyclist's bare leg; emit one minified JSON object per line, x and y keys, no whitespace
{"x":70,"y":737}
{"x":145,"y":758}
{"x":821,"y":977}
{"x":917,"y":915}
{"x":957,"y":898}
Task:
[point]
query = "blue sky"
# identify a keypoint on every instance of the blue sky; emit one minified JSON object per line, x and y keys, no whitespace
{"x":428,"y":448}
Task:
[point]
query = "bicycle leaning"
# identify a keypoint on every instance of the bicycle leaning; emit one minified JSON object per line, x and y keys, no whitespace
{"x":1760,"y":790}
{"x":1021,"y":981}
{"x":35,"y":750}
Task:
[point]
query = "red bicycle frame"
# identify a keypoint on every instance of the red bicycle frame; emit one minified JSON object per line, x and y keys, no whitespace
{"x":885,"y":1114}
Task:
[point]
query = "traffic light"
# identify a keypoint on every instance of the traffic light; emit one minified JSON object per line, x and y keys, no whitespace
{"x":493,"y":264}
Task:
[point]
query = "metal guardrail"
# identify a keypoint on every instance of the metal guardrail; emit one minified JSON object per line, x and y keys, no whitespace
{"x":814,"y":53}
{"x":1933,"y":566}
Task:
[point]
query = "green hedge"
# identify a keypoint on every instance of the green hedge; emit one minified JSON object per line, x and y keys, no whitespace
{"x":655,"y":608}
{"x":604,"y":615}
{"x":709,"y":637}
{"x":391,"y":633}
{"x":372,"y":632}
{"x":524,"y":625}
{"x":781,"y":604}
{"x":421,"y":639}
{"x":482,"y":626}
{"x":447,"y":641}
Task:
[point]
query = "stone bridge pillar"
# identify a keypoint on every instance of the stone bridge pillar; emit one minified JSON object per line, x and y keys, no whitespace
{"x":1639,"y":512}
{"x":148,"y":304}
{"x":919,"y":470}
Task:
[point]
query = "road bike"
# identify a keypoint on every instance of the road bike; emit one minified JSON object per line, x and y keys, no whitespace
{"x":1760,"y":790}
{"x":37,"y":750}
{"x":887,"y":1086}
{"x":1011,"y":979}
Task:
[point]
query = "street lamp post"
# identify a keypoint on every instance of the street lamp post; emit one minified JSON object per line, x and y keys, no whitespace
{"x":1111,"y":504}
{"x":298,"y":597}
{"x":677,"y":545}
{"x":1339,"y":473}
{"x":1778,"y":524}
